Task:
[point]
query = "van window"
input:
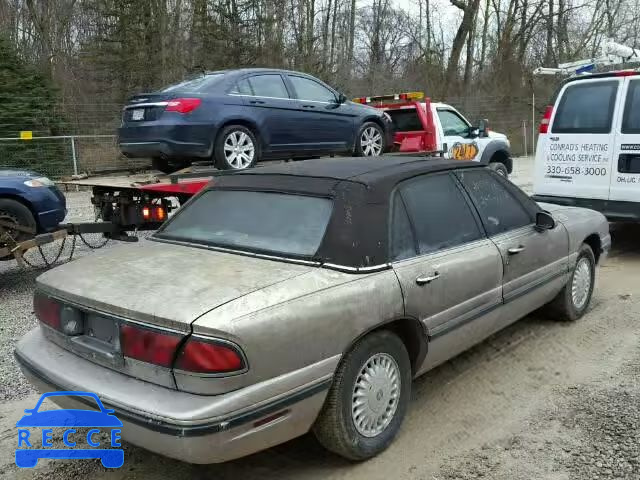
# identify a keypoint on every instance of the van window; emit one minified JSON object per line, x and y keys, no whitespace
{"x":586,"y":108}
{"x":631,"y":120}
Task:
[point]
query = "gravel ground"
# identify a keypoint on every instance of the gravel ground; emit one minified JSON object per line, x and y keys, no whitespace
{"x":540,"y":400}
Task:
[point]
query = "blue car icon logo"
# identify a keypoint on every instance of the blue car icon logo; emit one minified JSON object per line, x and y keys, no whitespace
{"x":69,"y":419}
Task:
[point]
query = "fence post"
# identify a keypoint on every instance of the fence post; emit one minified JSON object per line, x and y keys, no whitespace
{"x":524,"y":136}
{"x":73,"y":155}
{"x":533,"y":124}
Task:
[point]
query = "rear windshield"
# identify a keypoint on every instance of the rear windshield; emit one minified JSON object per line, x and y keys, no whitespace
{"x":586,"y":108}
{"x":405,"y":120}
{"x":286,"y":224}
{"x":199,"y":84}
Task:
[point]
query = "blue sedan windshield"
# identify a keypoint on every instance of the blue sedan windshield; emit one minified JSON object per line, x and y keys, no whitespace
{"x":279,"y":223}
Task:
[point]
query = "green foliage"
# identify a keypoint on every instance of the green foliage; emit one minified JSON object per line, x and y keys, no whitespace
{"x":27,"y":102}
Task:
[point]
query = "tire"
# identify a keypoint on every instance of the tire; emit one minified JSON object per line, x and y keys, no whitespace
{"x":370,"y":140}
{"x":15,"y":212}
{"x":565,"y":307}
{"x":228,"y":159}
{"x":167,"y":166}
{"x":335,"y":427}
{"x":500,"y":168}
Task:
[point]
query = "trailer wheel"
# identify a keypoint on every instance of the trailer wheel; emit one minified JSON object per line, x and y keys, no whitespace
{"x":14,"y":212}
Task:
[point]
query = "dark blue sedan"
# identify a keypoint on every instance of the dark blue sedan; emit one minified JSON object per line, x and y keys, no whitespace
{"x":31,"y":201}
{"x":239,"y":117}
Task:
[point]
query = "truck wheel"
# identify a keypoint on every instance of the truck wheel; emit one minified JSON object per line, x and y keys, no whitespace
{"x":14,"y":212}
{"x":500,"y":168}
{"x":573,"y":300}
{"x":370,"y":140}
{"x":236,"y":148}
{"x":368,"y":398}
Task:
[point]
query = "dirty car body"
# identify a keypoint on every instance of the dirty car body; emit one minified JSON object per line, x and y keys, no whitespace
{"x":258,"y":295}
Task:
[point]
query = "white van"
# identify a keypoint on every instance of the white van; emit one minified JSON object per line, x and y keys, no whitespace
{"x":589,"y":146}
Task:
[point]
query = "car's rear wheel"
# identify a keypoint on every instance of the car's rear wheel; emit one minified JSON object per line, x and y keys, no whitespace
{"x":370,"y":141}
{"x":500,"y":168}
{"x":22,"y":224}
{"x":236,"y":148}
{"x":368,"y":399}
{"x":572,"y":302}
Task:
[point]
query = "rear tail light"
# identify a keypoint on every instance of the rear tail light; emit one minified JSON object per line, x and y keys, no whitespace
{"x":546,"y":119}
{"x":147,"y":345}
{"x":196,"y":355}
{"x":154,"y":213}
{"x":209,"y":356}
{"x":627,"y":73}
{"x":183,"y":105}
{"x":47,"y":310}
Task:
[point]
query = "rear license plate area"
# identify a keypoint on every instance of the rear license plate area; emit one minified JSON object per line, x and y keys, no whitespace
{"x":137,"y":114}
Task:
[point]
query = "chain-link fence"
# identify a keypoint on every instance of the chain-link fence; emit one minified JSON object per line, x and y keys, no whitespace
{"x":89,"y":144}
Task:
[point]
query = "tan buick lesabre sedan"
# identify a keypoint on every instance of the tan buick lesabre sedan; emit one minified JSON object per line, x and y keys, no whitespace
{"x":302,"y":297}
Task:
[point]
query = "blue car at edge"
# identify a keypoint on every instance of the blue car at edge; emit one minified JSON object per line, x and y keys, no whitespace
{"x":110,"y":457}
{"x":31,"y":201}
{"x":239,"y":117}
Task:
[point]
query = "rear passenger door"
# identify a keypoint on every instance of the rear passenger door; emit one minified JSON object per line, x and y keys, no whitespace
{"x":328,"y":126}
{"x":450,"y":273}
{"x":535,"y":262}
{"x":625,"y":182}
{"x":273,"y":110}
{"x":578,"y":151}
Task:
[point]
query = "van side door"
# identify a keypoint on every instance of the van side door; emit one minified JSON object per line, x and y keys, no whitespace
{"x":575,"y":159}
{"x":625,"y":179}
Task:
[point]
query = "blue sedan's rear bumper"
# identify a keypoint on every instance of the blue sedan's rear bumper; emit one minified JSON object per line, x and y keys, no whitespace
{"x":167,"y":141}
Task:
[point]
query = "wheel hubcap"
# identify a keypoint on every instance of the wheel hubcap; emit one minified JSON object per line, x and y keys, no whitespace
{"x":371,"y":142}
{"x":375,"y":395}
{"x":239,"y":150}
{"x":581,"y":285}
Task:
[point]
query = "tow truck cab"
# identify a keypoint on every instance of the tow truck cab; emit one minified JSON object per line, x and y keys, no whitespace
{"x":588,"y":151}
{"x":423,"y":126}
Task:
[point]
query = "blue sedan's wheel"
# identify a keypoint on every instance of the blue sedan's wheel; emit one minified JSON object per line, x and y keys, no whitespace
{"x":370,"y":140}
{"x":15,"y":213}
{"x":236,"y":148}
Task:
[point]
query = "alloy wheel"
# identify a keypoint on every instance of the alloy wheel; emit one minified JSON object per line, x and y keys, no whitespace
{"x":371,"y":142}
{"x":239,"y":150}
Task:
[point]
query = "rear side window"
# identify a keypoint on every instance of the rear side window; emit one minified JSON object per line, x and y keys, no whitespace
{"x":403,"y":244}
{"x":405,"y":120}
{"x":586,"y":108}
{"x":440,"y":214}
{"x":499,"y":210}
{"x":631,"y":119}
{"x":270,"y":85}
{"x":242,"y":88}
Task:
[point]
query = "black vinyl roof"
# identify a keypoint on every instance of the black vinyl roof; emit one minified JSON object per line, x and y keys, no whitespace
{"x":357,"y":234}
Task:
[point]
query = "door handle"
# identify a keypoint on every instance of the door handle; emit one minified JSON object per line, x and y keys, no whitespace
{"x":428,"y":279}
{"x":515,"y":250}
{"x":308,"y":106}
{"x":257,"y":102}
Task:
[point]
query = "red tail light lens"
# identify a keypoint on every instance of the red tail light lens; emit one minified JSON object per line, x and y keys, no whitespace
{"x":202,"y":356}
{"x":147,"y":345}
{"x":183,"y":105}
{"x":627,"y":73}
{"x":546,"y":120}
{"x":47,"y":310}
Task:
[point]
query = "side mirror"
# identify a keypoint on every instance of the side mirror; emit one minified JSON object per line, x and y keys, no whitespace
{"x":341,"y":98}
{"x":544,"y":221}
{"x":474,"y":132}
{"x":483,"y":128}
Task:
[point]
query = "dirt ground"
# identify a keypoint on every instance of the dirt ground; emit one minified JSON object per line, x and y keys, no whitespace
{"x":540,"y":400}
